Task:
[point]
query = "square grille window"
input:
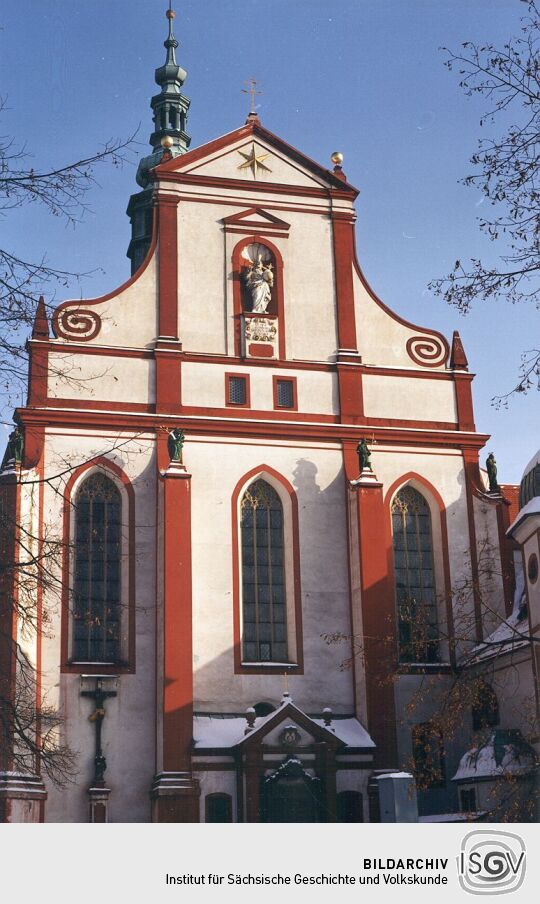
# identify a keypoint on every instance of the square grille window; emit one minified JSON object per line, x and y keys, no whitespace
{"x":237,"y":391}
{"x":285,"y":394}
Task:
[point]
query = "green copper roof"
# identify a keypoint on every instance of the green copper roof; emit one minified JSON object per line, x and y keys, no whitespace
{"x":170,"y":108}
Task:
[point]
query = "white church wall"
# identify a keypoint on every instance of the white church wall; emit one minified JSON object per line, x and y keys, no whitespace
{"x":382,"y":338}
{"x":408,"y":398}
{"x":100,"y":378}
{"x":203,"y":385}
{"x":206,"y":285}
{"x":316,"y":474}
{"x":309,"y":286}
{"x":489,"y":565}
{"x":216,"y":782}
{"x":129,"y":317}
{"x":444,"y":472}
{"x":128,"y":728}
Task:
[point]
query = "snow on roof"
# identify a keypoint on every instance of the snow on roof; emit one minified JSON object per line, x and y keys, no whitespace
{"x":505,"y":753}
{"x":531,"y":508}
{"x":451,"y":817}
{"x":222,"y":731}
{"x":512,"y":632}
{"x":350,"y":731}
{"x":535,"y":460}
{"x":394,"y":775}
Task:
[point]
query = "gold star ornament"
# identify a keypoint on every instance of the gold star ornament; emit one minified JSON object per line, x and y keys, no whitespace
{"x":254,"y":162}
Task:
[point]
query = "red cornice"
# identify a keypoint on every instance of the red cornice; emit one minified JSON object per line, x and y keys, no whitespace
{"x":271,"y":425}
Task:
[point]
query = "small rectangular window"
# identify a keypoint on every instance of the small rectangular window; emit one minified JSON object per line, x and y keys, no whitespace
{"x":285,"y":393}
{"x":237,"y":390}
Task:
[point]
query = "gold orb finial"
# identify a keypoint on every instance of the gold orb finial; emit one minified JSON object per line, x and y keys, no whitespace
{"x":170,"y":14}
{"x":167,"y":142}
{"x":337,"y":158}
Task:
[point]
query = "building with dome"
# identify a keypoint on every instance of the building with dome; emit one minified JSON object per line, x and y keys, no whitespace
{"x":272,"y":522}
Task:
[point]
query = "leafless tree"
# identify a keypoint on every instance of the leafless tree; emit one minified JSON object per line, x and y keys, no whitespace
{"x":475,"y":674}
{"x":507,"y":171}
{"x":62,"y":191}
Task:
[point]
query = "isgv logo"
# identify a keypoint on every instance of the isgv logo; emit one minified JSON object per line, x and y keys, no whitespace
{"x":491,"y":863}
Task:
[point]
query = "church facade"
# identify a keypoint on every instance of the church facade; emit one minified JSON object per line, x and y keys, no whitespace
{"x":267,"y":489}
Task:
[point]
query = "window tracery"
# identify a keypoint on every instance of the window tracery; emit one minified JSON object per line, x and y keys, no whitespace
{"x":97,"y":571}
{"x":264,"y":619}
{"x":414,"y":577}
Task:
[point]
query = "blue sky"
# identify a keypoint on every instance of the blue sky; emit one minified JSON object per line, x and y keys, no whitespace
{"x":365,"y":77}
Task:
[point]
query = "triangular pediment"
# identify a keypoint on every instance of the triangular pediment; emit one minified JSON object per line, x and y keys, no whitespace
{"x":252,"y":154}
{"x":256,"y":219}
{"x":289,"y":719}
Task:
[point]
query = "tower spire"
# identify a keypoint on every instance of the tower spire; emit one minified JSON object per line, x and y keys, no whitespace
{"x":170,"y":107}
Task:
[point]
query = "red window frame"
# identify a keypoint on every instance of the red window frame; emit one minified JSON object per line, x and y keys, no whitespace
{"x":275,"y":379}
{"x":237,"y":376}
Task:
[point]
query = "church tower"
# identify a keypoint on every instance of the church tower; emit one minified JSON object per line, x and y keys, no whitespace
{"x":170,"y":112}
{"x":262,"y":471}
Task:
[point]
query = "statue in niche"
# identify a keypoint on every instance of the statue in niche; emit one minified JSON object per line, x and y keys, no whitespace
{"x":491,"y":467}
{"x":364,"y":456}
{"x":259,"y":280}
{"x":175,"y":444}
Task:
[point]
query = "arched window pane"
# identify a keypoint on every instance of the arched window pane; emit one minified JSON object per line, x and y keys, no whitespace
{"x":263,"y":575}
{"x":414,"y":576}
{"x":96,"y":576}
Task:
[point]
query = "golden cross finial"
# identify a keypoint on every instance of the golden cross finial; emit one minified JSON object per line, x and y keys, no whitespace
{"x":252,"y":91}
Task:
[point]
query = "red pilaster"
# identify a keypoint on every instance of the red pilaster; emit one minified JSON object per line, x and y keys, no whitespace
{"x":175,"y":793}
{"x":379,"y":642}
{"x":168,"y":346}
{"x":168,"y":265}
{"x":168,"y":357}
{"x":464,"y":403}
{"x":343,"y":232}
{"x":253,"y":772}
{"x":351,"y":393}
{"x":472,"y":479}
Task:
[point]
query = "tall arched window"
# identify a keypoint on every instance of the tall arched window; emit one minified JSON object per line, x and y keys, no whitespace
{"x":414,"y":575}
{"x":264,"y":627}
{"x":96,"y":572}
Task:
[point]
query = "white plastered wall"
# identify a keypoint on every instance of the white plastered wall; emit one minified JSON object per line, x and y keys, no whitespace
{"x":100,"y":378}
{"x":204,"y":385}
{"x":205,"y":278}
{"x":216,"y":782}
{"x":382,"y":339}
{"x":129,"y":318}
{"x":443,"y":470}
{"x":490,"y":576}
{"x":409,"y":398}
{"x":316,"y":474}
{"x":129,"y":727}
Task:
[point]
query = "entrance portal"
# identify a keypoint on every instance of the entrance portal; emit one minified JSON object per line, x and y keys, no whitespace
{"x":291,"y":795}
